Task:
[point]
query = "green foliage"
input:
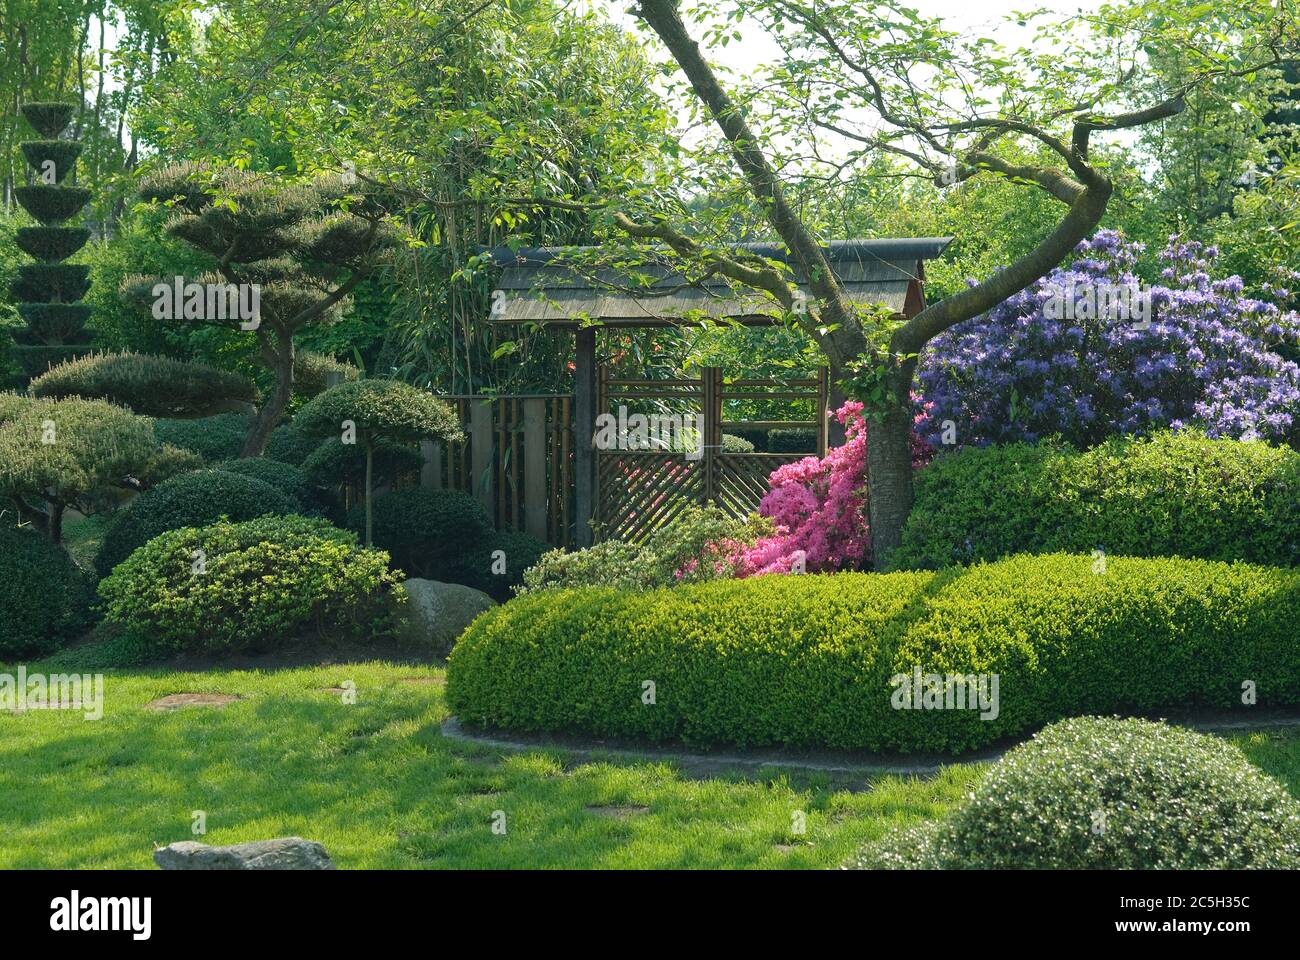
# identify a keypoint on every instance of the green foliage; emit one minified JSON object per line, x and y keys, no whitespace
{"x":51,"y":244}
{"x":478,"y":567}
{"x":48,"y":118}
{"x":53,"y":324}
{"x":62,"y":153}
{"x":289,"y":446}
{"x":426,"y":532}
{"x":213,"y":438}
{"x":334,"y":463}
{"x":682,"y":550}
{"x":154,"y":386}
{"x":42,"y":593}
{"x":51,"y":205}
{"x":168,"y":462}
{"x":262,"y":584}
{"x":791,"y":440}
{"x":734,"y":444}
{"x":12,"y":404}
{"x":1175,"y":494}
{"x":827,"y":659}
{"x":286,"y":478}
{"x":1110,"y":794}
{"x":61,"y":450}
{"x":53,"y":282}
{"x":311,"y":372}
{"x":381,"y":410}
{"x":189,"y":500}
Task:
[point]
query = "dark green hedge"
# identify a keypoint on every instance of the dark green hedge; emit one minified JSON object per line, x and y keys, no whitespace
{"x":809,"y":659}
{"x":791,"y":440}
{"x":1097,"y":793}
{"x":52,"y":282}
{"x":427,"y":532}
{"x":64,"y":153}
{"x":285,"y":477}
{"x":1176,"y":494}
{"x":212,"y":438}
{"x":48,"y":118}
{"x":55,"y":323}
{"x":44,"y":598}
{"x":189,"y":500}
{"x":52,"y":205}
{"x":51,"y":244}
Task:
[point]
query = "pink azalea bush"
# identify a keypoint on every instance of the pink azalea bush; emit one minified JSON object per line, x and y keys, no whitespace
{"x":818,"y":507}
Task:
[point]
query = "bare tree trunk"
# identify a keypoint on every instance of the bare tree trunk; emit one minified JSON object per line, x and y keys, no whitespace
{"x":370,"y":493}
{"x":259,"y":434}
{"x":56,"y":522}
{"x":889,"y":481}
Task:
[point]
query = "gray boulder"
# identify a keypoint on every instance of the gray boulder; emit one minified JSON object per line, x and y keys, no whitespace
{"x":438,"y":613}
{"x":283,"y":853}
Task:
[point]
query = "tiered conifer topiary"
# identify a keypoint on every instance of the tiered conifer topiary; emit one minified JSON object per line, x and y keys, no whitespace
{"x":50,"y":291}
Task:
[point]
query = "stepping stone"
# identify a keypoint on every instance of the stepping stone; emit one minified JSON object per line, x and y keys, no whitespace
{"x":619,"y":811}
{"x":283,"y":853}
{"x":175,"y":701}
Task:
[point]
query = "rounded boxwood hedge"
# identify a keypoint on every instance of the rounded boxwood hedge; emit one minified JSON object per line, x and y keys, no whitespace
{"x":1109,"y":794}
{"x":43,"y":595}
{"x":285,"y":477}
{"x":821,"y":660}
{"x":189,"y":500}
{"x":152,"y":386}
{"x":51,"y":244}
{"x":55,"y":282}
{"x":215,"y":439}
{"x":262,"y":584}
{"x":1175,"y":494}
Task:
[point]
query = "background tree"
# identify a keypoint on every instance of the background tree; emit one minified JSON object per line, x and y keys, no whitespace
{"x":853,"y":70}
{"x":304,"y":246}
{"x":371,"y":412}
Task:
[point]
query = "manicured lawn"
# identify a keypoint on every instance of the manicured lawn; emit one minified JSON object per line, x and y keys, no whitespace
{"x":379,"y":786}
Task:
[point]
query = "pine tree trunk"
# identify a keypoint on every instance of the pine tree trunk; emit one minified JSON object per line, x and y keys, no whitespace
{"x":889,"y":481}
{"x":370,"y":493}
{"x":268,"y":417}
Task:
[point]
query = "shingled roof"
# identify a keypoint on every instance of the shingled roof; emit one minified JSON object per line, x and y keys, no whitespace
{"x":554,"y":285}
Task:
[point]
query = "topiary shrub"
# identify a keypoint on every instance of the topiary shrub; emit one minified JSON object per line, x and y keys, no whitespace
{"x":289,"y":446}
{"x":1175,"y":494}
{"x":334,"y":464}
{"x":371,"y":412}
{"x":285,"y":477}
{"x":213,"y":438}
{"x":426,"y":532}
{"x":791,"y":440}
{"x":734,"y":444}
{"x":260,"y":584}
{"x":43,"y":596}
{"x":312,"y":373}
{"x":831,"y":660}
{"x":1110,"y":794}
{"x":190,"y":500}
{"x":497,"y":565}
{"x":610,"y":563}
{"x":153,"y":386}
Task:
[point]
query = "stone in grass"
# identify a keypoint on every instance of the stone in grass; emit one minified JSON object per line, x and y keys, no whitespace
{"x":283,"y":853}
{"x":438,"y":613}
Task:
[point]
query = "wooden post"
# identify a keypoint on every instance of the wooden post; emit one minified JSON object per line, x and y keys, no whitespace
{"x":584,"y":434}
{"x":431,"y":472}
{"x":535,"y":500}
{"x":480,"y":425}
{"x":822,"y":416}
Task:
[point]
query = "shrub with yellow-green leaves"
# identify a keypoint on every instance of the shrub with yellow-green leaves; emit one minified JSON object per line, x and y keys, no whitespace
{"x":819,"y":659}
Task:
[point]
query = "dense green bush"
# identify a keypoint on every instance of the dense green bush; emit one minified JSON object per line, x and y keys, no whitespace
{"x":312,"y":372}
{"x":334,"y":463}
{"x":51,"y":244}
{"x":190,"y":500}
{"x":285,"y":477}
{"x":1176,"y":494}
{"x":1110,"y":794}
{"x":257,"y":585}
{"x":497,"y":565}
{"x":153,"y":386}
{"x":823,"y":659}
{"x":734,"y":444}
{"x":43,"y":596}
{"x":426,"y":532}
{"x":610,"y":563}
{"x":289,"y":446}
{"x":792,"y":440}
{"x":213,"y":438}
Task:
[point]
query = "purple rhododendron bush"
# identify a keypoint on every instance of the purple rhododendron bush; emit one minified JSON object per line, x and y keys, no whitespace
{"x":1210,"y":357}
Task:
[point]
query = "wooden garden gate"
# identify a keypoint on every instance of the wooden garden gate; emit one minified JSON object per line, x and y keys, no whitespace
{"x":641,"y":486}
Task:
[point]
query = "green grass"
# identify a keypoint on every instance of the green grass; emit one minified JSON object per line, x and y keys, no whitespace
{"x":380,"y":787}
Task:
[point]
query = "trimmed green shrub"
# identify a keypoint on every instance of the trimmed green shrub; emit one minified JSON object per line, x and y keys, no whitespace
{"x":259,"y":585}
{"x":478,"y":567}
{"x":610,"y":563}
{"x":733,"y":444}
{"x":335,"y":463}
{"x":43,"y":596}
{"x":190,"y":500}
{"x":1175,"y":494}
{"x":426,"y":532}
{"x":792,"y":440}
{"x":828,"y":660}
{"x":51,"y":205}
{"x":63,"y":153}
{"x":12,"y":404}
{"x":154,"y":386}
{"x":213,"y":438}
{"x":48,"y":118}
{"x":168,"y":462}
{"x":289,"y":446}
{"x":311,"y":372}
{"x":51,"y":244}
{"x":54,"y":323}
{"x":61,"y":282}
{"x":285,"y":477}
{"x":37,"y":359}
{"x":1110,"y":794}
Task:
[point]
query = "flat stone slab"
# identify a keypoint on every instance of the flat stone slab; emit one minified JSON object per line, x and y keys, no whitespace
{"x":283,"y":853}
{"x":619,"y":811}
{"x":175,"y":701}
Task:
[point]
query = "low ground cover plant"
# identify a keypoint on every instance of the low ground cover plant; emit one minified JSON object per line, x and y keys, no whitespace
{"x":250,"y":587}
{"x":1109,"y":794}
{"x":858,"y":660}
